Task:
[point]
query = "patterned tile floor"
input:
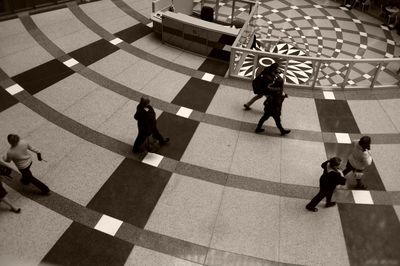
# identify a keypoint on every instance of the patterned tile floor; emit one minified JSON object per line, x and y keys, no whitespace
{"x":217,"y":194}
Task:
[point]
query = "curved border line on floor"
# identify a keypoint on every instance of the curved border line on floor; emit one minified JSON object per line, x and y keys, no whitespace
{"x":183,"y":168}
{"x":56,"y":52}
{"x":165,"y":244}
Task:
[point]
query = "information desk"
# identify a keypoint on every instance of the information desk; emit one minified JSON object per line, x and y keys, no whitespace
{"x":196,"y":35}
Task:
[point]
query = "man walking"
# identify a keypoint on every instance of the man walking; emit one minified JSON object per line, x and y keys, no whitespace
{"x":359,"y":158}
{"x":273,"y":107}
{"x":147,"y":125}
{"x":18,"y":153}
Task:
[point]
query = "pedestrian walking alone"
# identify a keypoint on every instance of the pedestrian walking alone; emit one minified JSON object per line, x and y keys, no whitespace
{"x":359,"y":159}
{"x":147,"y":126}
{"x":273,"y":107}
{"x":331,"y":177}
{"x":261,"y":84}
{"x":19,"y":154}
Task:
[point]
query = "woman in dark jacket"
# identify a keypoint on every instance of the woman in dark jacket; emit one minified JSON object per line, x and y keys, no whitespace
{"x":147,"y":125}
{"x":261,"y":82}
{"x":331,"y":177}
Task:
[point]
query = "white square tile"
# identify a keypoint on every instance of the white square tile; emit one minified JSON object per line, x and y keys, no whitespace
{"x":343,"y":138}
{"x":362,"y":197}
{"x":269,"y":22}
{"x":242,"y":9}
{"x":384,"y":27}
{"x":184,"y":112}
{"x":340,"y":40}
{"x":389,"y":55}
{"x":288,"y":19}
{"x":363,"y":46}
{"x":153,"y":159}
{"x":303,"y":37}
{"x":274,"y":11}
{"x":343,"y":8}
{"x":357,"y":21}
{"x":297,"y":28}
{"x":330,"y":18}
{"x":390,"y":42}
{"x":329,"y":95}
{"x":294,"y":7}
{"x":366,"y":76}
{"x":108,"y":225}
{"x":14,"y":89}
{"x":338,"y":29}
{"x":71,"y":62}
{"x":307,"y":17}
{"x":317,"y":6}
{"x":319,"y":38}
{"x":338,"y":72}
{"x":351,"y":82}
{"x":283,"y":30}
{"x":208,"y":77}
{"x":227,"y":48}
{"x":337,"y":50}
{"x":116,"y":41}
{"x":357,"y":56}
{"x":316,"y":28}
{"x":363,"y":33}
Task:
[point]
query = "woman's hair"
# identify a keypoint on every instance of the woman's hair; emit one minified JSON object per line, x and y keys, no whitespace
{"x":365,"y":142}
{"x":273,"y":66}
{"x":335,"y":161}
{"x":13,"y":139}
{"x":144,"y":101}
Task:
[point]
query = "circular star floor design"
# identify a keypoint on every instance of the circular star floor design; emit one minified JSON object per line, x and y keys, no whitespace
{"x":330,"y":32}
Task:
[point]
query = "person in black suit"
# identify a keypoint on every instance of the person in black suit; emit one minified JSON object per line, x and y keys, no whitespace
{"x":147,"y":125}
{"x":273,"y":107}
{"x":331,"y":177}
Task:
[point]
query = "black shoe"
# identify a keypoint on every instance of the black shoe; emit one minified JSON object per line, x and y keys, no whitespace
{"x":285,"y":132}
{"x":246,"y":107}
{"x":330,"y":204}
{"x":312,"y":209}
{"x":45,"y":193}
{"x":259,"y":130}
{"x":361,"y":186}
{"x":164,"y":141}
{"x":16,"y":210}
{"x":136,"y":151}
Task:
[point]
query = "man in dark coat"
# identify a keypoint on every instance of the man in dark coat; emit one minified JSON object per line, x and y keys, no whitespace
{"x":331,"y":177}
{"x":147,"y":125}
{"x":273,"y":107}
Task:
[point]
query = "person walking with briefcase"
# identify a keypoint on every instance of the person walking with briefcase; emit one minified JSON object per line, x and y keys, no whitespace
{"x":19,"y":154}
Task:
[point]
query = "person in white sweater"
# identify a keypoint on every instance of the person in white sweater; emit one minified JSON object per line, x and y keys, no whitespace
{"x":19,"y":154}
{"x":359,"y":159}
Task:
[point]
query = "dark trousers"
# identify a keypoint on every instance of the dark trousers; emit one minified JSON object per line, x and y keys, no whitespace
{"x":348,"y":168}
{"x":321,"y":194}
{"x":28,"y":178}
{"x":141,"y":138}
{"x":265,"y":117}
